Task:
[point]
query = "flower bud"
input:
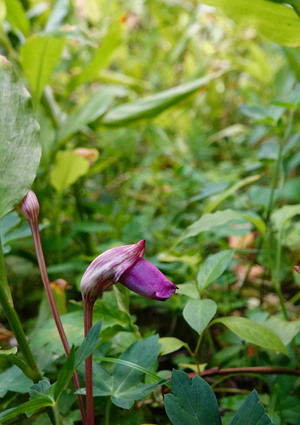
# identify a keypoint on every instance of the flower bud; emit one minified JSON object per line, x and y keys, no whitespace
{"x":125,"y":264}
{"x":30,"y":208}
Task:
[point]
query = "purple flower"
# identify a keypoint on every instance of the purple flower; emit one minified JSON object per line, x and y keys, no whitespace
{"x":126,"y":265}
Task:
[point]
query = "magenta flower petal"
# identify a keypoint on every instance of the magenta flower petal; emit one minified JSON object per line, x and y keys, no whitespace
{"x":145,"y":279}
{"x":106,"y":269}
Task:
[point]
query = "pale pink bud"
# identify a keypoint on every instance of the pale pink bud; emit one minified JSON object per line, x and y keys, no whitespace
{"x":126,"y":265}
{"x":30,"y":208}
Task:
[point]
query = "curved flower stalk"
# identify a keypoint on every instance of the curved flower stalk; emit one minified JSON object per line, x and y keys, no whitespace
{"x":124,"y":264}
{"x":31,"y":210}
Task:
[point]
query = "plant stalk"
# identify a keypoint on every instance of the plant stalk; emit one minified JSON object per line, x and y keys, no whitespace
{"x":15,"y":323}
{"x":43,"y":269}
{"x":88,"y":322}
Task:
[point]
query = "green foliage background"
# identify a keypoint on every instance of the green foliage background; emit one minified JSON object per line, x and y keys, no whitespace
{"x":192,"y":115}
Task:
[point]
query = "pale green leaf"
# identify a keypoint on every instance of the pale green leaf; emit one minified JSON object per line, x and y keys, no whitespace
{"x":16,"y":16}
{"x":96,"y":106}
{"x":282,"y":215}
{"x":209,"y":221}
{"x":213,"y":267}
{"x":103,"y":56}
{"x":284,"y":329}
{"x":253,"y":332}
{"x":2,"y":10}
{"x":169,"y":345}
{"x":68,"y":168}
{"x":198,"y":313}
{"x":151,"y":106}
{"x":188,"y":289}
{"x":39,"y":57}
{"x":275,"y":21}
{"x":231,"y":191}
{"x":20,"y":150}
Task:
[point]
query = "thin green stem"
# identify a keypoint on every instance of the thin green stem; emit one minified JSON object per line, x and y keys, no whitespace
{"x":3,"y":276}
{"x":57,"y":416}
{"x":15,"y":324}
{"x":277,"y":283}
{"x":12,"y":358}
{"x":107,"y":411}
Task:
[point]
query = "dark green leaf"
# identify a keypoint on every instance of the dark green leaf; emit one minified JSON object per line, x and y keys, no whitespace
{"x":89,"y":344}
{"x":192,"y":402}
{"x":29,"y":408}
{"x":65,"y":374}
{"x":14,"y":380}
{"x":251,"y":412}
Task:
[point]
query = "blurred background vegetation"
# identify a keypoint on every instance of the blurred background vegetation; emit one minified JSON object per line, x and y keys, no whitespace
{"x":155,"y":166}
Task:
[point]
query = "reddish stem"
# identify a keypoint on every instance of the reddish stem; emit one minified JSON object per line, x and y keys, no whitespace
{"x":43,"y":269}
{"x":88,"y":323}
{"x":264,"y":370}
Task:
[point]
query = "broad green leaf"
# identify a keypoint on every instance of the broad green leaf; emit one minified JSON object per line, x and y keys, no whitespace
{"x":39,"y":57}
{"x":294,"y":3}
{"x":89,"y":344}
{"x":124,"y":383}
{"x":128,"y":364}
{"x":102,"y":58}
{"x":57,"y":16}
{"x":282,"y":215}
{"x":253,"y":332}
{"x":188,"y":289}
{"x":284,"y":329}
{"x":68,"y":168}
{"x":16,"y":16}
{"x":29,"y":408}
{"x":198,"y":313}
{"x":95,"y":107}
{"x":14,"y":380}
{"x":213,"y":267}
{"x":48,"y":338}
{"x":169,"y":345}
{"x":209,"y":221}
{"x":251,"y":412}
{"x":65,"y":375}
{"x":263,"y":15}
{"x":153,"y":105}
{"x":192,"y":402}
{"x":231,"y":191}
{"x":20,"y":150}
